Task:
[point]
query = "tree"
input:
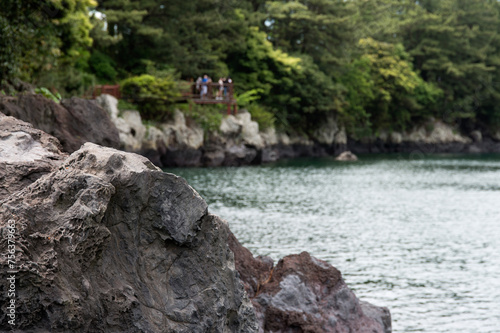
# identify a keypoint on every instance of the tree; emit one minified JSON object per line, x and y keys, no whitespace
{"x":193,"y":37}
{"x":384,"y":92}
{"x":38,"y":36}
{"x":293,"y":88}
{"x":322,"y":29}
{"x":455,"y":44}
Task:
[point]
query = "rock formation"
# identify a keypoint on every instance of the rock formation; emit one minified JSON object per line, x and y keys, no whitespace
{"x":74,"y":121}
{"x":107,"y":242}
{"x":239,"y":141}
{"x":346,"y":156}
{"x":26,"y":154}
{"x":110,"y":243}
{"x":304,"y":294}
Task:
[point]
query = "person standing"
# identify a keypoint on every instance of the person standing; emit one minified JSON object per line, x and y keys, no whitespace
{"x":198,"y":84}
{"x":221,"y":88}
{"x":227,"y":81}
{"x":204,"y":86}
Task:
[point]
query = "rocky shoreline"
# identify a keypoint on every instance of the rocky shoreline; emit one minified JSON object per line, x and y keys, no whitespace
{"x":182,"y":143}
{"x":107,"y":242}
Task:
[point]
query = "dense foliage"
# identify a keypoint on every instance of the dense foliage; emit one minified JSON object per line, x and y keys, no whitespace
{"x":152,"y":95}
{"x":378,"y":64}
{"x":41,"y":36}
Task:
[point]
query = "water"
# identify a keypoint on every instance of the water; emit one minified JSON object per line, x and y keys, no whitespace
{"x":421,"y":237}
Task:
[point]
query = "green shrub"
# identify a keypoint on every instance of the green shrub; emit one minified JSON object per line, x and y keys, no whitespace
{"x":264,"y":118}
{"x":153,"y":96}
{"x":209,"y":117}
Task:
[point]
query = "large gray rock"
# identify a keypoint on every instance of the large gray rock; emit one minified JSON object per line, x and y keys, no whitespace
{"x":26,"y":154}
{"x":131,"y":130}
{"x":230,"y":126}
{"x":330,"y":132}
{"x":110,"y":104}
{"x":110,"y":243}
{"x":250,"y":130}
{"x":346,"y":156}
{"x":310,"y":295}
{"x":74,"y":121}
{"x":179,"y":135}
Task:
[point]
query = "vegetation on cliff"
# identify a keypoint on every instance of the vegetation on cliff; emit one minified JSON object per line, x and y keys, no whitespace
{"x":379,"y":64}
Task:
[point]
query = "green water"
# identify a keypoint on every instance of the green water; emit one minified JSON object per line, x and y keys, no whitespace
{"x":420,"y":236}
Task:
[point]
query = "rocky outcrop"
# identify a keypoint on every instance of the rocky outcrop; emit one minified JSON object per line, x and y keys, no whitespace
{"x":434,"y":136}
{"x":496,"y":135}
{"x":110,"y":243}
{"x":26,"y":154}
{"x":107,"y":242}
{"x":435,"y":132}
{"x":346,"y":156}
{"x":239,"y":141}
{"x":304,"y":294}
{"x":330,"y":132}
{"x":183,"y":142}
{"x":74,"y":121}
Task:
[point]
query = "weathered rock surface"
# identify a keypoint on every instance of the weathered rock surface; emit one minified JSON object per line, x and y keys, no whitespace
{"x":74,"y":122}
{"x":110,"y":104}
{"x":110,"y":243}
{"x":107,"y":242}
{"x":435,"y":132}
{"x":26,"y":154}
{"x":330,"y":132}
{"x":477,"y":136}
{"x":180,"y":142}
{"x":304,"y":294}
{"x":250,"y":130}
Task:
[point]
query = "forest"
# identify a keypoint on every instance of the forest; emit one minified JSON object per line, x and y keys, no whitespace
{"x":375,"y":64}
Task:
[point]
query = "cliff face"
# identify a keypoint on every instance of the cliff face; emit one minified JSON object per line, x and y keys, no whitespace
{"x":238,"y":141}
{"x":107,"y":242}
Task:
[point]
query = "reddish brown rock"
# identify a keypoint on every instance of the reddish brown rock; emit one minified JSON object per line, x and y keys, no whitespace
{"x":305,"y":295}
{"x":254,"y":272}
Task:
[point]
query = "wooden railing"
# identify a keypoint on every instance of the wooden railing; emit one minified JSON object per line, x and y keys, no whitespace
{"x":113,"y":90}
{"x":203,"y":93}
{"x":210,"y":93}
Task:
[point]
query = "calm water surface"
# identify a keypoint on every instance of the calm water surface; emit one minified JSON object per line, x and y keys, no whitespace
{"x":421,"y":237}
